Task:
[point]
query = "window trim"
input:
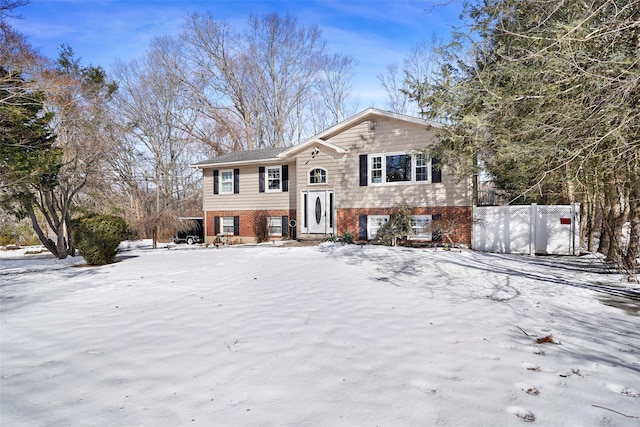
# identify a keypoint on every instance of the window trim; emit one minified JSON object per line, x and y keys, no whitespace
{"x":370,"y":228}
{"x":266,"y":179}
{"x":425,"y":235}
{"x":325,"y":176}
{"x":383,"y":168}
{"x":222,"y":181}
{"x":224,"y":219}
{"x":274,"y":218}
{"x":427,"y":165}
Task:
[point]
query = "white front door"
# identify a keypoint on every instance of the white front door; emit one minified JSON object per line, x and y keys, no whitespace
{"x":319,"y":212}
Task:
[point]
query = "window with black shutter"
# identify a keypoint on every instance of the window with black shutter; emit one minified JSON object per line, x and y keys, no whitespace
{"x":285,"y":178}
{"x":236,"y":181}
{"x":436,"y":172}
{"x":285,"y":227}
{"x":362,"y":227}
{"x":261,"y":179}
{"x":363,"y":170}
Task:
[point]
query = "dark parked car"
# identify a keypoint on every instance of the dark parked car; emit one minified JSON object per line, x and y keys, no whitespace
{"x":191,"y":236}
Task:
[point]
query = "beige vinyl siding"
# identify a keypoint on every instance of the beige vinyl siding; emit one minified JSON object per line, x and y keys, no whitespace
{"x":326,"y":159}
{"x":249,"y":197}
{"x":392,"y":136}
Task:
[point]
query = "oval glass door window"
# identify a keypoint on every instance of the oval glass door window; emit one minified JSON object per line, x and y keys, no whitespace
{"x":318,"y":210}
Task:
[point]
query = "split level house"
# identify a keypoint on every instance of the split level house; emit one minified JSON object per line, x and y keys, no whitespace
{"x":351,"y":177}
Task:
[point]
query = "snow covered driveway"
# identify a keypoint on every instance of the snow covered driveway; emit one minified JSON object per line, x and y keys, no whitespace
{"x":315,"y":336}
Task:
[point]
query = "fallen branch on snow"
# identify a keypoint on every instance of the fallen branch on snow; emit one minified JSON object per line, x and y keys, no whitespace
{"x":619,"y":413}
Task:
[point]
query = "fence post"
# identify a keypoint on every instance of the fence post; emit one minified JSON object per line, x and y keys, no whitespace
{"x":533,"y":228}
{"x":575,"y":228}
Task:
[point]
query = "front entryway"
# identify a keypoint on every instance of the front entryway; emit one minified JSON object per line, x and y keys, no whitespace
{"x":318,"y":212}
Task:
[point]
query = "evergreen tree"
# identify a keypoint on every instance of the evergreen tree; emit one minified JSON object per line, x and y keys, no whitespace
{"x":26,"y":152}
{"x":29,"y":162}
{"x":545,"y":95}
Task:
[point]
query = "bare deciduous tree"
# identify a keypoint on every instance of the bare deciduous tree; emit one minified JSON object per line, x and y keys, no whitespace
{"x":155,"y":145}
{"x":334,"y":87}
{"x":392,"y":81}
{"x":258,"y":85}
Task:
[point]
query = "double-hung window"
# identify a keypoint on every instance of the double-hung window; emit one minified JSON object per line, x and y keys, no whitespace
{"x":226,"y":182}
{"x":275,"y":226}
{"x":421,"y":227}
{"x":226,"y":225}
{"x":376,"y":169}
{"x":274,"y":178}
{"x":374,"y":222}
{"x":422,"y":167}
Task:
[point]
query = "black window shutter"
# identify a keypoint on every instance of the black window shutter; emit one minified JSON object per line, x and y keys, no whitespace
{"x":285,"y":178}
{"x":436,"y":234}
{"x":261,"y":179}
{"x":216,"y":225}
{"x":331,"y":210}
{"x":362,"y":227}
{"x":215,"y":181}
{"x":285,"y":227}
{"x":236,"y":181}
{"x":236,"y":225}
{"x":363,"y":170}
{"x":436,"y":172}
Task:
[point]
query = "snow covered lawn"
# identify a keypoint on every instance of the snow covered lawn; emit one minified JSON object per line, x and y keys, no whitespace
{"x":328,"y":335}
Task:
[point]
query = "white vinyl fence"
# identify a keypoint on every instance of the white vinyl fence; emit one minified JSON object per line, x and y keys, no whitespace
{"x":528,"y":229}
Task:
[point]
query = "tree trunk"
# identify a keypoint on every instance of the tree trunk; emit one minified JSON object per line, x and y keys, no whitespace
{"x":46,"y":242}
{"x":154,"y":237}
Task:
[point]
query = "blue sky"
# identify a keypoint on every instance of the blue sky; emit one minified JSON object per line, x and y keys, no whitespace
{"x":376,"y":32}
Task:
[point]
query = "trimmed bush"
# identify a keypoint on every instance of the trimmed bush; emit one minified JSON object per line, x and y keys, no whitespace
{"x":97,"y":237}
{"x":346,"y":238}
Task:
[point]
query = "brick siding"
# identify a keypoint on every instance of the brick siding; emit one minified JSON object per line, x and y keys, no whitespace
{"x":347,"y":219}
{"x":247,"y":220}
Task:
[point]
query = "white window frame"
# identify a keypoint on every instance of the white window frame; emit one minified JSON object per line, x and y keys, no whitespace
{"x":374,"y":222}
{"x":226,"y":221}
{"x":422,"y":231}
{"x":377,"y":169}
{"x":274,"y":223}
{"x":325,"y":176}
{"x":426,"y":165}
{"x":267,"y":179}
{"x":229,"y":182}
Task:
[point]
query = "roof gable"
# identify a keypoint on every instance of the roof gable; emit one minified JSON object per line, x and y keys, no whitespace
{"x":368,"y":114}
{"x":280,"y":153}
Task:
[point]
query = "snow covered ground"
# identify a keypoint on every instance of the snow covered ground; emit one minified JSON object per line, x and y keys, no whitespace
{"x":327,"y":335}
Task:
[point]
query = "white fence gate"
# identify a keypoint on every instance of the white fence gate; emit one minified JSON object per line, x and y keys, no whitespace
{"x":529,"y":229}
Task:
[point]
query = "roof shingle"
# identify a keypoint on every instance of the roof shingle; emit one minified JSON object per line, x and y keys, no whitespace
{"x":245,"y":156}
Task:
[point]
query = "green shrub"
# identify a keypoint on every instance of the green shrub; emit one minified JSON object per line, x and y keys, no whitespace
{"x":346,"y":238}
{"x":331,"y":238}
{"x":398,"y":227}
{"x":97,"y":237}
